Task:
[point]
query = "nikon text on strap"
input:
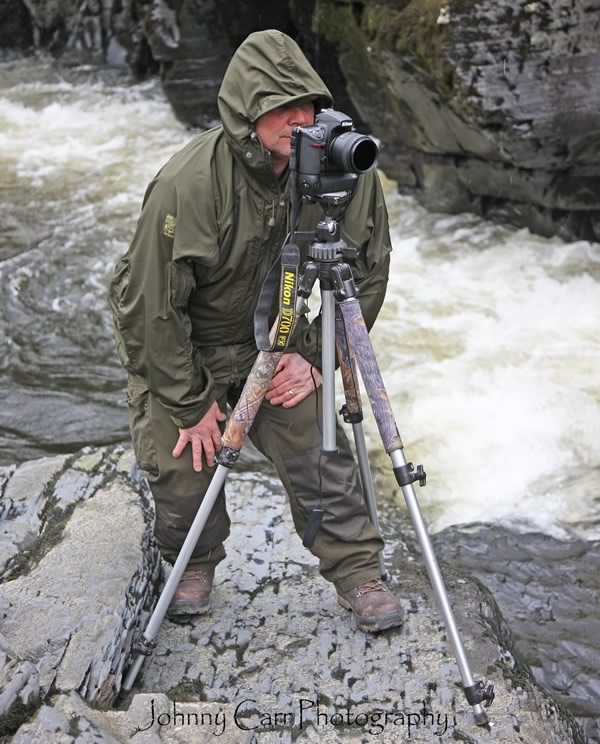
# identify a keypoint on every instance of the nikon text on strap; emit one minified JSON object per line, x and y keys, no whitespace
{"x":286,"y":267}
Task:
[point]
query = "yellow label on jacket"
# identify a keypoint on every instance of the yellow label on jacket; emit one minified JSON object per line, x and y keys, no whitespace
{"x":168,"y":228}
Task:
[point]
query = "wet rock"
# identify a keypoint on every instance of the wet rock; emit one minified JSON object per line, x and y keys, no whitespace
{"x":70,"y":599}
{"x":481,"y":105}
{"x":270,"y":603}
{"x":15,"y":25}
{"x":548,"y":590}
{"x":276,"y":659}
{"x":23,"y":499}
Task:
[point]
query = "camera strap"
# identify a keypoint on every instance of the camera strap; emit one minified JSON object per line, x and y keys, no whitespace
{"x":285,"y":268}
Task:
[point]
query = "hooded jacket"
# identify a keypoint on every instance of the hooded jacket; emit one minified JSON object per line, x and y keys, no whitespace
{"x":212,"y":222}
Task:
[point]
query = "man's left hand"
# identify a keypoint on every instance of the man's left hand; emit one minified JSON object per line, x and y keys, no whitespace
{"x":292,"y":381}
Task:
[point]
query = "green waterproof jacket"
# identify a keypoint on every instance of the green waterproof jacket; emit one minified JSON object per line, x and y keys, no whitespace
{"x":213,"y":221}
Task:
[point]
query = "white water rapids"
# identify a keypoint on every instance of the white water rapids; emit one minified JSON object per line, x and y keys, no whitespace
{"x":488,"y":340}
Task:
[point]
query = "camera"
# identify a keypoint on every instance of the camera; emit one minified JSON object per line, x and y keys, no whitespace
{"x":329,"y":155}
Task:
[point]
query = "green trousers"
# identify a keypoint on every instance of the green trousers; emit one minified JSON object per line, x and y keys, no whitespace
{"x":347,"y":544}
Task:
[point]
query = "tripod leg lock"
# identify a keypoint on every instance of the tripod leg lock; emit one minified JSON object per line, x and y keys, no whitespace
{"x":406,"y":474}
{"x":351,"y":417}
{"x":479,"y":693}
{"x":227,"y":456}
{"x":143,"y":645}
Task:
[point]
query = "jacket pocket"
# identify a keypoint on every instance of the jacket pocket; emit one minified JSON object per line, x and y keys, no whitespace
{"x":140,"y":426}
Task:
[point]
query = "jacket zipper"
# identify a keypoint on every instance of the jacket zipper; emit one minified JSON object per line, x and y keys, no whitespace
{"x":268,"y":258}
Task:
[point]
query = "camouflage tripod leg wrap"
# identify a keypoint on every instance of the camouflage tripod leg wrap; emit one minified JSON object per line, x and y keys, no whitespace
{"x":352,"y":413}
{"x":241,"y":420}
{"x":359,"y":342}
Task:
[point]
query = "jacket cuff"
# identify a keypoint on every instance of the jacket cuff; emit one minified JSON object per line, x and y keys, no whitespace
{"x":188,"y":418}
{"x":185,"y":417}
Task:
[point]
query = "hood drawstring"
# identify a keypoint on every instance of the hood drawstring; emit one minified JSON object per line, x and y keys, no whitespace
{"x":266,"y":153}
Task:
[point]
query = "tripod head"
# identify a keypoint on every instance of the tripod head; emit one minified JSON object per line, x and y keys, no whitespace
{"x":325,"y":242}
{"x":334,"y":203}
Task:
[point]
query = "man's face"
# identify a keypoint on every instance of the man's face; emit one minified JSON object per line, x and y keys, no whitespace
{"x":274,"y":129}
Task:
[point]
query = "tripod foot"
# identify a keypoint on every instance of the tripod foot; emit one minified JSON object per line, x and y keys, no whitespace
{"x":476,"y":694}
{"x":481,"y":718}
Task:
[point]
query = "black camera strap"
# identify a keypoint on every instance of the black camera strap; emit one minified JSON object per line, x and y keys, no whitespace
{"x":285,"y":268}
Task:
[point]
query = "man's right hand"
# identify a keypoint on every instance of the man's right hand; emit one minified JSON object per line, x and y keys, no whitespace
{"x":205,"y":437}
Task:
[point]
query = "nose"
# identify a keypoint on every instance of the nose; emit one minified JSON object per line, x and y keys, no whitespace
{"x":300,"y":116}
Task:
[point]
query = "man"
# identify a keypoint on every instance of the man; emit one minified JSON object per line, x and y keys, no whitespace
{"x":183,"y":299}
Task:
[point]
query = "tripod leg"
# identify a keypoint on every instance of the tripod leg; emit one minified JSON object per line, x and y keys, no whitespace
{"x":234,"y":437}
{"x":145,"y":643}
{"x":236,"y":433}
{"x":367,"y":484}
{"x":360,"y":343}
{"x":352,"y":413}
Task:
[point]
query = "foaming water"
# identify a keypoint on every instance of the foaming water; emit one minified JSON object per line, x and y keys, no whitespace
{"x":77,"y":148}
{"x":82,"y":144}
{"x":487,"y":341}
{"x":491,"y":353}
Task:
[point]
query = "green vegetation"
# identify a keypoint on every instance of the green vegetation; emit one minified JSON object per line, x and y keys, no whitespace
{"x":379,"y":35}
{"x":54,"y":520}
{"x":187,"y":691}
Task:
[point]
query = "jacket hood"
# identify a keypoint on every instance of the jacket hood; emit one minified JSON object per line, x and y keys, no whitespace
{"x":268,"y":70}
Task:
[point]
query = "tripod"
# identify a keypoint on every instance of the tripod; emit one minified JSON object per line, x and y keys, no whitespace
{"x":342,"y":326}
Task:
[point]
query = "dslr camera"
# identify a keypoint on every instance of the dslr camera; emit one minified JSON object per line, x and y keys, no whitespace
{"x":329,"y":155}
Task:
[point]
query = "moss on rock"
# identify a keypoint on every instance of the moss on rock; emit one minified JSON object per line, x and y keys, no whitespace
{"x":55,"y":518}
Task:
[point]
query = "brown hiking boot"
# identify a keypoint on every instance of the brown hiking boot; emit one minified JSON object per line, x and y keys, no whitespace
{"x":374,"y":606}
{"x":192,"y":596}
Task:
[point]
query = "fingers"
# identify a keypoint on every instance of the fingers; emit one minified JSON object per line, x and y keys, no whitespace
{"x":197,"y":454}
{"x":294,"y":397}
{"x":280,"y":385}
{"x":281,"y":395}
{"x":205,"y":438}
{"x":282,"y":364}
{"x":208,"y":445}
{"x":289,"y":394}
{"x":181,"y":444}
{"x":293,"y":381}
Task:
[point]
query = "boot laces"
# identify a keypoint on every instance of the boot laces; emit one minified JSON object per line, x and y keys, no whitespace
{"x":194,"y":574}
{"x":374,"y":585}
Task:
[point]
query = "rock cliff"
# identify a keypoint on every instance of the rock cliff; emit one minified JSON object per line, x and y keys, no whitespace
{"x":492,"y":107}
{"x":276,"y":660}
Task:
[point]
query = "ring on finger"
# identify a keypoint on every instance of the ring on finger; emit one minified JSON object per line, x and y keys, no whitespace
{"x":291,"y":392}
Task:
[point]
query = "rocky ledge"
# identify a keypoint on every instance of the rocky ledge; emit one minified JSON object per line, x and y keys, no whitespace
{"x":276,"y":660}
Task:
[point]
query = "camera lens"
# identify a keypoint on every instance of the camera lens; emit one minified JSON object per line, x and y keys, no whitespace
{"x":353,"y":152}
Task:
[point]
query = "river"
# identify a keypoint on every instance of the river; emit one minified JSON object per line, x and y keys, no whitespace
{"x":488,"y":340}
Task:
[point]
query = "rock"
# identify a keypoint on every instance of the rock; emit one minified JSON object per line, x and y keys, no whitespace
{"x":23,"y":499}
{"x":269,"y":599}
{"x":276,"y":660}
{"x":16,"y":29}
{"x":549,"y":588}
{"x":73,"y":593}
{"x":478,"y":104}
{"x":69,"y":719}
